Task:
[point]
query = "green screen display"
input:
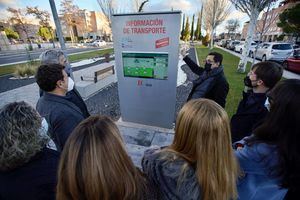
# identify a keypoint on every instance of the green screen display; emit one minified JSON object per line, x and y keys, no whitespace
{"x":145,"y":65}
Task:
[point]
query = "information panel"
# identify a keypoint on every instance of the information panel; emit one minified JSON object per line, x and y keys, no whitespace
{"x":146,"y":47}
{"x":145,"y":65}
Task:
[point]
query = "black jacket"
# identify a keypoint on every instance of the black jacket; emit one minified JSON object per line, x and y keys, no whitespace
{"x":35,"y":180}
{"x":210,"y":84}
{"x":74,"y":97}
{"x":62,"y":116}
{"x":250,"y":113}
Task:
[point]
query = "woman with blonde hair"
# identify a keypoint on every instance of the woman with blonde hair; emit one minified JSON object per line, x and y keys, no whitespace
{"x":94,"y":165}
{"x":200,"y":163}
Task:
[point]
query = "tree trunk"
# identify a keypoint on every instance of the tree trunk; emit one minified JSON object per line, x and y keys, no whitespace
{"x":212,"y":39}
{"x":243,"y":61}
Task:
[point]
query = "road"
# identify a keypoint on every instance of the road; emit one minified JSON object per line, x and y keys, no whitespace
{"x":16,"y":57}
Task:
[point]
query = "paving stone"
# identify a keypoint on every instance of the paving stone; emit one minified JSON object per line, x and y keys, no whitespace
{"x":136,"y":153}
{"x":137,"y":136}
{"x":162,"y":139}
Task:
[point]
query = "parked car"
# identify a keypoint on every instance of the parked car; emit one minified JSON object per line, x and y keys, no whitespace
{"x":231,"y":45}
{"x":99,"y":43}
{"x":275,"y":51}
{"x":240,"y":47}
{"x":293,"y":63}
{"x":224,"y":44}
{"x":221,"y":42}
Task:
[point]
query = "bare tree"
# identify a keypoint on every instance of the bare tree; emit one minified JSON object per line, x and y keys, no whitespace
{"x":108,"y":8}
{"x":138,"y":5}
{"x":263,"y":26}
{"x":232,"y":26}
{"x":252,"y":8}
{"x":71,"y":16}
{"x":19,"y":18}
{"x":44,"y":19}
{"x":215,"y":13}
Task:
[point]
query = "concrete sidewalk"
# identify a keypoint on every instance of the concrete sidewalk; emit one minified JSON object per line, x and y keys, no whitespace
{"x":286,"y":74}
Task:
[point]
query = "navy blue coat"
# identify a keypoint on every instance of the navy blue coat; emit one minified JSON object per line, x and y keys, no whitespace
{"x":210,"y":84}
{"x":35,"y":180}
{"x":62,"y":116}
{"x":250,"y":113}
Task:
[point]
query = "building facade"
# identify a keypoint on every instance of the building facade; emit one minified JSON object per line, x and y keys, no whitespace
{"x":88,"y":25}
{"x":266,"y":27}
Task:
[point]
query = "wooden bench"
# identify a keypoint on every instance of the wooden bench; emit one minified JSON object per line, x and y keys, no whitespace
{"x":102,"y":72}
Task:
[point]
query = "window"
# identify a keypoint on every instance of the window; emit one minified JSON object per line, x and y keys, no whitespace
{"x":282,"y":46}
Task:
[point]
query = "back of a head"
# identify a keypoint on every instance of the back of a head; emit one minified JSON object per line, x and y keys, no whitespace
{"x":20,"y":139}
{"x":48,"y":75}
{"x":282,"y":128}
{"x":269,"y":72}
{"x":94,"y":164}
{"x":50,"y":57}
{"x":202,"y":136}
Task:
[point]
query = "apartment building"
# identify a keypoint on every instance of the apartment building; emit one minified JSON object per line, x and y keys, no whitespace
{"x":267,"y":25}
{"x":88,"y":25}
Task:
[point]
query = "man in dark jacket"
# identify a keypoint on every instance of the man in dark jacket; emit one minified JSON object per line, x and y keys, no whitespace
{"x":58,"y":57}
{"x":61,"y":114}
{"x":251,"y":110}
{"x":211,"y":83}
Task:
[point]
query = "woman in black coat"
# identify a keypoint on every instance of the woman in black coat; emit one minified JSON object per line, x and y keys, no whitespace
{"x":27,"y":167}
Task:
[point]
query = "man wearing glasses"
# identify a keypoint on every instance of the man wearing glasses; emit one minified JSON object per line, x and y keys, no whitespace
{"x":212,"y":83}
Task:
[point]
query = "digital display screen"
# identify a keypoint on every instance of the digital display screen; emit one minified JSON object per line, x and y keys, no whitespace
{"x":145,"y":65}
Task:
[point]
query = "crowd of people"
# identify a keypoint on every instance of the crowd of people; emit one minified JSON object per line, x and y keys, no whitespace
{"x":58,"y":151}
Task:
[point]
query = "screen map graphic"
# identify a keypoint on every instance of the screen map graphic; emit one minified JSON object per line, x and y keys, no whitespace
{"x":145,"y":65}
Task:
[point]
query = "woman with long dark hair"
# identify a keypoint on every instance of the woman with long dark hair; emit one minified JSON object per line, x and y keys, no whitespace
{"x":270,"y":158}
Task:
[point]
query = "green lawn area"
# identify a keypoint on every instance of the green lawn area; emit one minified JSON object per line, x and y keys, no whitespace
{"x":9,"y":69}
{"x":235,"y":80}
{"x":82,"y":56}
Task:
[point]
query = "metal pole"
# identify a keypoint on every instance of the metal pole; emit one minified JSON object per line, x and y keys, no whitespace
{"x":57,"y":24}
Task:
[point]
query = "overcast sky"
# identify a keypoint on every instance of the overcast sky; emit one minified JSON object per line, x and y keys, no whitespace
{"x":188,"y":7}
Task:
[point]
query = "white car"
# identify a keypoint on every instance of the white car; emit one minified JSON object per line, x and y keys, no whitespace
{"x":240,"y":47}
{"x":276,"y":51}
{"x":99,"y":43}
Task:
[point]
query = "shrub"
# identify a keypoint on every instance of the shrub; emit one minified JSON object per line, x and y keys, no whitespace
{"x":25,"y":71}
{"x":205,"y":40}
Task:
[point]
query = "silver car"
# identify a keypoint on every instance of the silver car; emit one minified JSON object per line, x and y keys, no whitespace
{"x":275,"y":51}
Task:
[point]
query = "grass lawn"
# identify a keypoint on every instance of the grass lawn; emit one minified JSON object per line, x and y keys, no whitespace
{"x":9,"y":69}
{"x":82,"y":56}
{"x":235,"y":80}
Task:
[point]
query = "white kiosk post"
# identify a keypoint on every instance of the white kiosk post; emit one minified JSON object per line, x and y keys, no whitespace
{"x":146,"y":49}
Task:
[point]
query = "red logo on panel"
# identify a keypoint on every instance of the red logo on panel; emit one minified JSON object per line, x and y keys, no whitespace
{"x":162,"y":42}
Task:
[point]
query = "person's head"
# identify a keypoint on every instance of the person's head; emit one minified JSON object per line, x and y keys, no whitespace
{"x":203,"y":138}
{"x":53,"y":78}
{"x":94,"y":164}
{"x":21,"y":135}
{"x":264,"y":75}
{"x":213,"y":60}
{"x":53,"y":57}
{"x":282,"y":127}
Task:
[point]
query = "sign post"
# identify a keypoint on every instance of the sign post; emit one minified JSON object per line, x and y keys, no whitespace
{"x":146,"y":49}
